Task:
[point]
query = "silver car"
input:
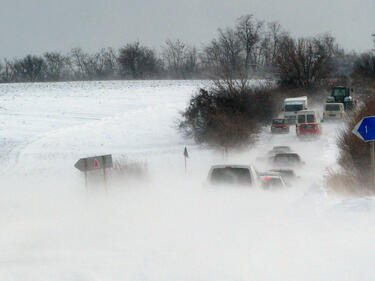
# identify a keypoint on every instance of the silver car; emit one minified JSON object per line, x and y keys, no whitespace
{"x":243,"y":175}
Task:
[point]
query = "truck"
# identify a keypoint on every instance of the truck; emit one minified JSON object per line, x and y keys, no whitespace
{"x":340,"y":94}
{"x":291,"y":106}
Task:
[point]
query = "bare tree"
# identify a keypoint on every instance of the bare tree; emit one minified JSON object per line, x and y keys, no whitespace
{"x":138,"y":62}
{"x":222,"y":57}
{"x":174,"y":55}
{"x":305,"y":61}
{"x":55,"y":66}
{"x":28,"y":69}
{"x":78,"y":63}
{"x":249,"y":32}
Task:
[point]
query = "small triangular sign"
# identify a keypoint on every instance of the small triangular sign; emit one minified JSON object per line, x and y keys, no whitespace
{"x":186,"y":154}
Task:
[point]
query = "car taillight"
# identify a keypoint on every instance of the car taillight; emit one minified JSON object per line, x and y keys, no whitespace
{"x":267,"y":179}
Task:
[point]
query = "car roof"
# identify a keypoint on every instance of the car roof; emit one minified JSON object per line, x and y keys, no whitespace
{"x":296,"y":99}
{"x":282,"y":170}
{"x":281,"y":147}
{"x":230,"y":166}
{"x":268,"y":173}
{"x":287,"y":154}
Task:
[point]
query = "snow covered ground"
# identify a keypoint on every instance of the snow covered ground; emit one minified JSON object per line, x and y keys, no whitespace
{"x":169,"y":227}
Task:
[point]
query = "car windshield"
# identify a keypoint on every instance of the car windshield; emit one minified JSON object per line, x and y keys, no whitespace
{"x":231,"y":175}
{"x":278,"y":121}
{"x":286,"y":158}
{"x":332,"y":107}
{"x":293,"y":107}
{"x":285,"y":173}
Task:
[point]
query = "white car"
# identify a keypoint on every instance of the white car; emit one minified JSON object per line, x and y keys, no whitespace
{"x":243,"y":175}
{"x":272,"y":181}
{"x":333,"y":111}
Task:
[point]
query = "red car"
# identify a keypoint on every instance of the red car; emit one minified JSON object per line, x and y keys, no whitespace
{"x":308,"y":129}
{"x":279,"y":125}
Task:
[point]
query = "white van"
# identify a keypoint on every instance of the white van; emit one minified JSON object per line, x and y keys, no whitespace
{"x":333,"y":111}
{"x":293,"y":105}
{"x":308,"y":123}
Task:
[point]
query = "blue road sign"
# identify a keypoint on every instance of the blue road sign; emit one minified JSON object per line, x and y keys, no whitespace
{"x":365,"y":129}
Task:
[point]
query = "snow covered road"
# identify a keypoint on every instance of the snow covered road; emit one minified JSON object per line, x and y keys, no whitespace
{"x":169,"y":227}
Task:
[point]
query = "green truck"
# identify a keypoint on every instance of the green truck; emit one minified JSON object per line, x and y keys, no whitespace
{"x":340,"y":94}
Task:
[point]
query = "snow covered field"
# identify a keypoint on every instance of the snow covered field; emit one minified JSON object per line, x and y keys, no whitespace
{"x":169,"y":227}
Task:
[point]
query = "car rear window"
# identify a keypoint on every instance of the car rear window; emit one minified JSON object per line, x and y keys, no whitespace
{"x":301,"y":119}
{"x":332,"y":107}
{"x":231,"y":175}
{"x":310,"y":118}
{"x":289,"y":158}
{"x":308,"y":126}
{"x":272,"y":182}
{"x":278,"y":121}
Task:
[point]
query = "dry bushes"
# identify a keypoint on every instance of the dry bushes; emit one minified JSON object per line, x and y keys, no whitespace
{"x":228,"y":115}
{"x":354,"y":156}
{"x":125,"y":170}
{"x":345,"y":184}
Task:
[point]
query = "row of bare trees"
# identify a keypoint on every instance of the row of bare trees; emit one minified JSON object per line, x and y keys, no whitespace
{"x":251,"y":47}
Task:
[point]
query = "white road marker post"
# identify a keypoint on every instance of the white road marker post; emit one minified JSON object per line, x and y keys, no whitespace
{"x":186,"y":155}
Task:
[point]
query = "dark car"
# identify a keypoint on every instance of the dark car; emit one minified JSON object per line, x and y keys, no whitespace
{"x":279,"y":125}
{"x":279,"y":149}
{"x":286,"y":159}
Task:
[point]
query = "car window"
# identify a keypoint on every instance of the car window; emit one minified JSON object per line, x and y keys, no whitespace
{"x":293,"y":107}
{"x":278,"y":121}
{"x":231,"y":175}
{"x":290,"y":158}
{"x":308,"y":126}
{"x":271,"y":182}
{"x":310,"y":118}
{"x":301,"y":119}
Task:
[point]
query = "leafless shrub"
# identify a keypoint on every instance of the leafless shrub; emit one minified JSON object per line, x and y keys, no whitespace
{"x":340,"y":182}
{"x":229,"y":114}
{"x":354,"y":156}
{"x":125,"y":169}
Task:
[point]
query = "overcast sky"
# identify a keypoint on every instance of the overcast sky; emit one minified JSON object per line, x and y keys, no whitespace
{"x":36,"y":26}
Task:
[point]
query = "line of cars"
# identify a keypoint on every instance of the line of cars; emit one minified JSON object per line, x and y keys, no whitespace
{"x":308,"y":122}
{"x":281,"y":158}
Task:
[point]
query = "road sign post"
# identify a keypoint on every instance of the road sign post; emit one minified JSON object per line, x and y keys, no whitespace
{"x":102,"y":162}
{"x":365,"y":130}
{"x":186,"y":155}
{"x":372,"y":163}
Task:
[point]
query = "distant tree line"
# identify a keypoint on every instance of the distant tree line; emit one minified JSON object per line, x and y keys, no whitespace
{"x":250,"y":48}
